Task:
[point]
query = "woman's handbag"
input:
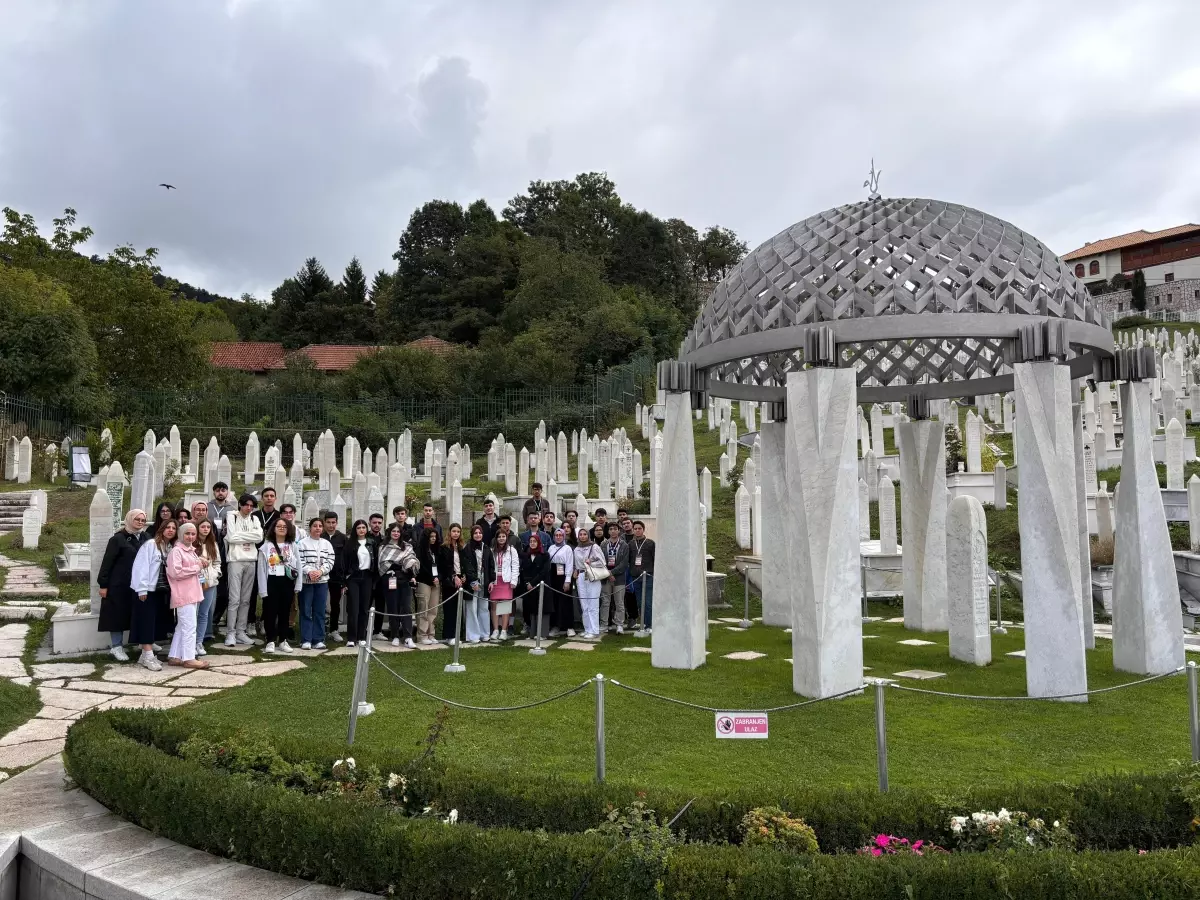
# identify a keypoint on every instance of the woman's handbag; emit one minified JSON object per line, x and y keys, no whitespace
{"x":595,"y":573}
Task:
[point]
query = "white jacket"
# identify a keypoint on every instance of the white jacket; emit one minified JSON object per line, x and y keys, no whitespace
{"x":242,"y":537}
{"x":313,"y":556}
{"x":508,"y":566}
{"x":562,"y":555}
{"x":285,"y":563}
{"x":146,"y":566}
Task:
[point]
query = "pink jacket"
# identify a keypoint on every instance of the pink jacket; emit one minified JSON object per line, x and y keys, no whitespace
{"x":183,"y":572}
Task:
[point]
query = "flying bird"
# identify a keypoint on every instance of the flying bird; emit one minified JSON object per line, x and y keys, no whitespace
{"x":169,"y":187}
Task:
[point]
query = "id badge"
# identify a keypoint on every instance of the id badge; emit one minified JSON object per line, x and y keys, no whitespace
{"x":562,"y":570}
{"x":434,"y":570}
{"x":393,"y":584}
{"x":637,"y":560}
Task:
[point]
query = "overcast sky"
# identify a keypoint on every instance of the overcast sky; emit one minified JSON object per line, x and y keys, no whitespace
{"x":296,"y":128}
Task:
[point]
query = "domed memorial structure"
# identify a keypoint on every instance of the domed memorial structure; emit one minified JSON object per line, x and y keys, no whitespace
{"x":887,"y":300}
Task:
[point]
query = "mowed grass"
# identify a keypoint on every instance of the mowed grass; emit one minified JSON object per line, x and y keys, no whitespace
{"x":935,"y":743}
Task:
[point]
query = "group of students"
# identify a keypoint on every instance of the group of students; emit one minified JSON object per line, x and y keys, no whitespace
{"x":180,"y":572}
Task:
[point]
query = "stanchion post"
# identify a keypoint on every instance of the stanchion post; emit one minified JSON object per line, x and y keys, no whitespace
{"x":745,"y":623}
{"x":1193,"y":709}
{"x":455,"y":665}
{"x":538,"y":649}
{"x":862,"y":581}
{"x":999,"y":629}
{"x":362,"y":673}
{"x":641,"y":629}
{"x":600,"y":729}
{"x":354,"y":695}
{"x":881,"y":735}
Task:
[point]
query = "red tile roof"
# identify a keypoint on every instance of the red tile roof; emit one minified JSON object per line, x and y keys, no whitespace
{"x":1132,"y":239}
{"x":248,"y":356}
{"x":336,"y":357}
{"x":432,"y":344}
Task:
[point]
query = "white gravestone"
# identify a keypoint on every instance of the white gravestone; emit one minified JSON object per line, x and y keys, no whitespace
{"x":454,"y":502}
{"x":175,"y":453}
{"x":922,"y":449}
{"x":224,"y":470}
{"x":741,"y":526}
{"x":25,"y":461}
{"x":887,"y":515}
{"x":1174,"y":454}
{"x":11,"y":453}
{"x":194,"y":459}
{"x":967,"y":581}
{"x":142,"y":490}
{"x":100,"y":529}
{"x":1089,"y":466}
{"x":706,"y":491}
{"x":523,"y":473}
{"x":877,"y":429}
{"x":250,"y":472}
{"x":973,"y":442}
{"x":864,"y":511}
{"x":114,"y":489}
{"x":723,"y":469}
{"x":375,"y":503}
{"x":31,"y":527}
{"x":1000,"y":486}
{"x":1193,"y":489}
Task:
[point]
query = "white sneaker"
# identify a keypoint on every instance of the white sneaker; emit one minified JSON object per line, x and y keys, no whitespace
{"x":428,"y":641}
{"x":118,"y":653}
{"x":200,"y":651}
{"x":230,"y":640}
{"x":320,"y":645}
{"x":244,"y":639}
{"x":570,"y":632}
{"x":285,"y":647}
{"x":554,"y":632}
{"x":504,"y":634}
{"x":270,"y":648}
{"x":495,"y":636}
{"x":148,"y":661}
{"x":408,"y":642}
{"x":156,"y":648}
{"x":395,"y":642}
{"x":351,"y":644}
{"x":306,"y":646}
{"x":337,"y":636}
{"x":620,"y":629}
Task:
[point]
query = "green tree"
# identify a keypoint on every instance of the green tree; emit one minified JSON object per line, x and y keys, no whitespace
{"x":1138,"y":289}
{"x":46,"y":351}
{"x":354,"y":284}
{"x":720,"y":251}
{"x":404,"y":372}
{"x":579,"y":215}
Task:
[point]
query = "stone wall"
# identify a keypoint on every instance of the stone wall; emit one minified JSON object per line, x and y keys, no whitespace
{"x":1174,"y":296}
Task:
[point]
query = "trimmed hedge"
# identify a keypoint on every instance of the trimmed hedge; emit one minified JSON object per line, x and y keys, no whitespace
{"x":1105,"y":812}
{"x":364,"y":847}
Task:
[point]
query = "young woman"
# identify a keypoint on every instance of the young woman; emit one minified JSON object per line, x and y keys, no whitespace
{"x":210,"y":577}
{"x":478,"y":625}
{"x":149,"y":582}
{"x":459,"y":571}
{"x":162,"y":513}
{"x":358,"y":563}
{"x":398,"y":567}
{"x":277,"y":583}
{"x":502,"y":573}
{"x":182,"y":515}
{"x":183,"y":574}
{"x":588,"y":553}
{"x":535,"y":570}
{"x":315,"y":559}
{"x":117,"y":597}
{"x":429,"y":584}
{"x":561,"y":564}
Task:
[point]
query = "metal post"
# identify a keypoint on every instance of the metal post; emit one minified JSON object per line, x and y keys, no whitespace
{"x":600,"y":728}
{"x":641,"y":629}
{"x":1193,"y":710}
{"x":354,"y":693}
{"x":455,"y":665}
{"x":999,"y":629}
{"x":745,"y":623}
{"x":358,"y":703}
{"x":862,"y":580}
{"x":538,"y":649}
{"x":881,"y":735}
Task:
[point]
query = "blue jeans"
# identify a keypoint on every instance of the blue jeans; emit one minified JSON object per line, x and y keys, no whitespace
{"x":313,"y":598}
{"x":648,"y":600}
{"x":204,"y":616}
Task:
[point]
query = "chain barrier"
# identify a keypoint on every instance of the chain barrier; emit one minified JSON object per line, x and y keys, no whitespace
{"x":1103,"y":690}
{"x":717,"y":709}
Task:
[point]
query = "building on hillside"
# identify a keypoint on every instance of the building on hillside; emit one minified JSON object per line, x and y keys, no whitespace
{"x":1169,"y":260}
{"x":260,"y":358}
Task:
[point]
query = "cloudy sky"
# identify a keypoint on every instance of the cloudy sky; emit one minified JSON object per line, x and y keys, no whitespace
{"x":313,"y":127}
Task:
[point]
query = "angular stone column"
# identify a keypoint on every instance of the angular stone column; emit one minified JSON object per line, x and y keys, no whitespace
{"x":680,"y":602}
{"x":967,"y":581}
{"x":922,"y":447}
{"x":776,"y":575}
{"x":821,"y":531}
{"x":1047,"y":516}
{"x":1087,"y":616}
{"x":1147,"y":625}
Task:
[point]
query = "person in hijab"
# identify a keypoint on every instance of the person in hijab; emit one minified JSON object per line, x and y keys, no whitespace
{"x":149,"y":581}
{"x":535,"y":569}
{"x":114,"y":579}
{"x":183,"y":574}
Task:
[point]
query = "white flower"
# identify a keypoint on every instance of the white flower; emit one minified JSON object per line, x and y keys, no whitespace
{"x":1029,"y":839}
{"x":1056,"y":823}
{"x":350,"y":762}
{"x":396,"y":781}
{"x":452,"y":818}
{"x":979,"y":817}
{"x":1004,"y":815}
{"x":957,"y":823}
{"x":337,"y":762}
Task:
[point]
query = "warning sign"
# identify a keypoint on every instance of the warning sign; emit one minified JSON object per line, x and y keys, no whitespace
{"x":742,"y":725}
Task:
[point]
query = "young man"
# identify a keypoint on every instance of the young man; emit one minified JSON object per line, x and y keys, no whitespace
{"x":243,"y":535}
{"x":427,"y":522}
{"x":375,"y":527}
{"x":220,"y":507}
{"x":400,"y":514}
{"x":533,"y":525}
{"x":489,"y":522}
{"x":375,"y":533}
{"x":337,"y":578}
{"x":506,"y":526}
{"x":288,"y":513}
{"x":612,"y":593}
{"x":548,"y":522}
{"x":600,"y":529}
{"x":267,"y":515}
{"x":641,"y":563}
{"x":535,"y":504}
{"x":627,"y":529}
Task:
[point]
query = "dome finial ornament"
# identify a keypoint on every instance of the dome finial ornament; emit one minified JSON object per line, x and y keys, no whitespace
{"x":872,"y":182}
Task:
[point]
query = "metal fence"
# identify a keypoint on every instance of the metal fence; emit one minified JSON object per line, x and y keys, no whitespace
{"x":41,"y":421}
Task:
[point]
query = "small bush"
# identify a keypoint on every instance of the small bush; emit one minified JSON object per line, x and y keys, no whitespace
{"x":770,"y":826}
{"x":986,"y":830}
{"x":1103,"y":551}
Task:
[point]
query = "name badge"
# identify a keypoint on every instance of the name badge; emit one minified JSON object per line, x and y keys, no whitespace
{"x":393,"y":584}
{"x":562,"y":569}
{"x":434,"y":570}
{"x":637,"y":560}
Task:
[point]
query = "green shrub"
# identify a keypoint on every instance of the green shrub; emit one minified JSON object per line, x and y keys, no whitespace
{"x":770,"y":826}
{"x":343,"y":843}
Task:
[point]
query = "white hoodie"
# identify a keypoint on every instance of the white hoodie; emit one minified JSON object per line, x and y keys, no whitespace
{"x":242,"y":535}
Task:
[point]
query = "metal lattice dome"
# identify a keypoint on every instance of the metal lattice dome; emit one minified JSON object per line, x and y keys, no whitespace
{"x":915,"y":294}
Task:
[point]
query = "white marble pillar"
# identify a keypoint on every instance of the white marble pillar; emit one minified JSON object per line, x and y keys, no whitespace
{"x":1147,"y":625}
{"x":1055,"y":661}
{"x":922,"y":449}
{"x":967,"y":581}
{"x":821,"y":529}
{"x":100,"y":529}
{"x":680,"y":601}
{"x":1193,"y":489}
{"x":776,"y":571}
{"x":1087,"y":617}
{"x":887,"y":515}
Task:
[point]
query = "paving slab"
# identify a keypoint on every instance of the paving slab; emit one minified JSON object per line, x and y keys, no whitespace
{"x":437,"y":645}
{"x":62,"y":670}
{"x":13,"y":632}
{"x":145,"y":703}
{"x":729,"y":621}
{"x":17,"y":756}
{"x":635,"y":650}
{"x":745,"y":655}
{"x":896,"y":620}
{"x":22,"y":612}
{"x":577,"y":645}
{"x":116,"y":687}
{"x":12,"y":647}
{"x":37,"y":798}
{"x":23,"y":680}
{"x":735,"y":628}
{"x":916,"y":642}
{"x":193,"y":692}
{"x":548,"y":643}
{"x":227,"y":659}
{"x":210,"y":679}
{"x":36,"y":730}
{"x":343,"y":651}
{"x":11,"y":667}
{"x":72,"y":700}
{"x":153,"y":874}
{"x":53,"y":683}
{"x":69,"y":850}
{"x":1017,"y":654}
{"x":274,"y":667}
{"x":132,"y":674}
{"x":919,"y":674}
{"x":467,"y":645}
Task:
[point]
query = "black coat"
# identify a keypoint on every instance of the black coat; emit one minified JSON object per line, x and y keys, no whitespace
{"x":429,"y":557}
{"x":466,"y":562}
{"x":115,"y":575}
{"x":535,"y":569}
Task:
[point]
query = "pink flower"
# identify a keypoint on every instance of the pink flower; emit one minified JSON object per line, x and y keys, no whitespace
{"x":1141,"y":853}
{"x":875,"y":851}
{"x":882,"y":840}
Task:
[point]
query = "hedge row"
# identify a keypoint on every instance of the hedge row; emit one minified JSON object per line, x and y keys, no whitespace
{"x":340,"y":842}
{"x":1105,"y":812}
